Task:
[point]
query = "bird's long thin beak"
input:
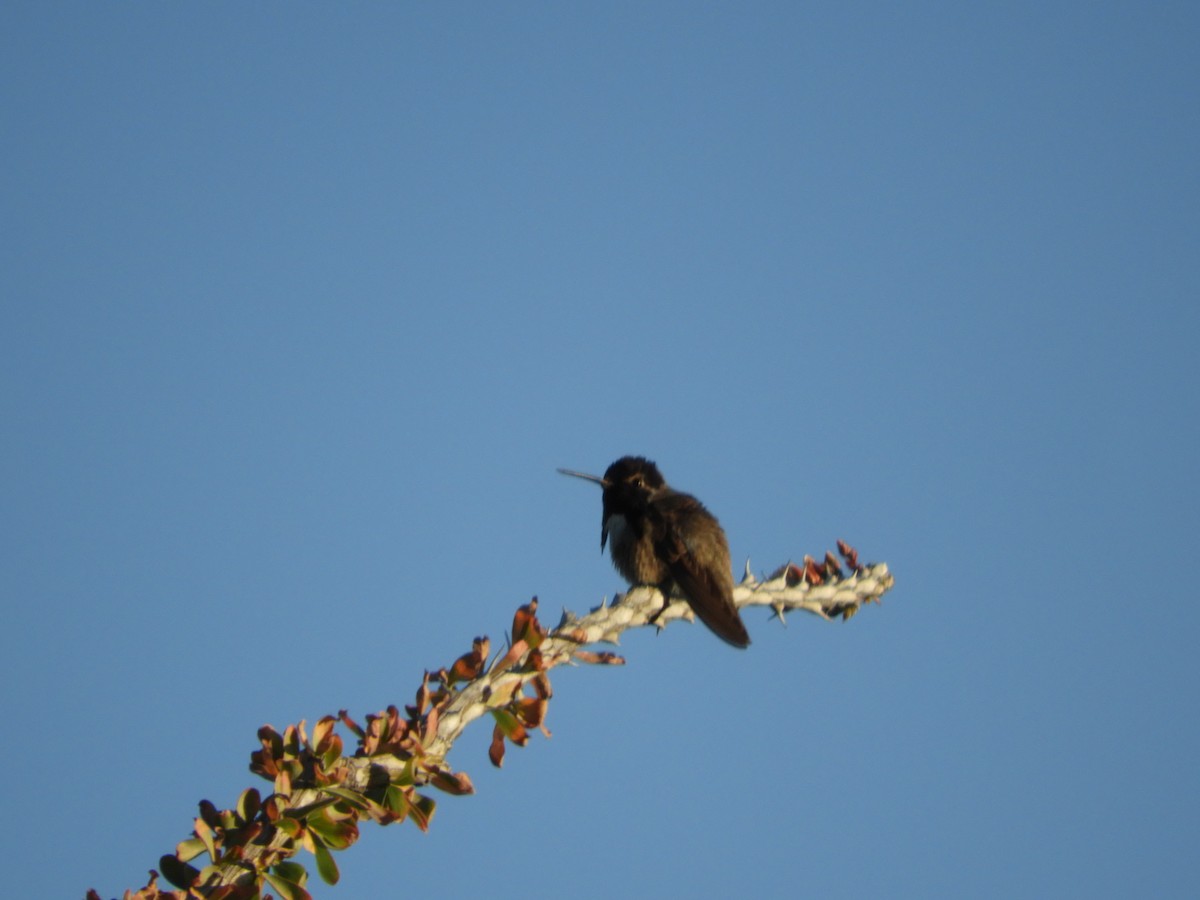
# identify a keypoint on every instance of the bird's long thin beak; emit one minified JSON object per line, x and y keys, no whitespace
{"x":585,"y":476}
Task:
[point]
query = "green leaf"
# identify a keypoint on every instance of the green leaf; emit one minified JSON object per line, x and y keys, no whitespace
{"x":189,"y":849}
{"x":205,"y":833}
{"x":338,"y":834}
{"x":249,"y":804}
{"x":177,"y":872}
{"x":332,"y":753}
{"x":355,"y":799}
{"x":422,"y":809}
{"x":395,"y":800}
{"x":292,"y":871}
{"x":290,"y":826}
{"x":507,"y":721}
{"x":406,"y":776}
{"x":288,"y":890}
{"x":326,"y":867}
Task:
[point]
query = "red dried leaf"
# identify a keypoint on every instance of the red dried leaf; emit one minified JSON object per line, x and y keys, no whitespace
{"x":271,"y":740}
{"x":371,"y":738}
{"x":603,"y":658}
{"x":249,"y":832}
{"x":261,"y":764}
{"x":812,"y":574}
{"x":422,"y":698}
{"x":386,"y":733}
{"x":431,"y":724}
{"x":456,"y":783}
{"x":470,"y":665}
{"x":515,"y":652}
{"x":849,"y":554}
{"x":522,"y":618}
{"x":379,"y":813}
{"x":465,"y":668}
{"x":526,"y":627}
{"x":323,"y":734}
{"x":531,"y":711}
{"x":496,"y":750}
{"x":832,"y":568}
{"x":350,"y":723}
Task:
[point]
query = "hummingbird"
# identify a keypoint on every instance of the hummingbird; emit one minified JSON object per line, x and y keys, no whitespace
{"x":665,"y":538}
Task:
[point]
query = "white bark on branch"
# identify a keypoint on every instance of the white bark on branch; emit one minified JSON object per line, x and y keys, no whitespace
{"x":607,"y":622}
{"x":322,"y":791}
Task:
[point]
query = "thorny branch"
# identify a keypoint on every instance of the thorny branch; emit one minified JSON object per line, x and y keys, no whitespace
{"x":320,"y":794}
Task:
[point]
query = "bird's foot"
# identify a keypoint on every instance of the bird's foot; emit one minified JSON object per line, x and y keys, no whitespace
{"x":653,"y":620}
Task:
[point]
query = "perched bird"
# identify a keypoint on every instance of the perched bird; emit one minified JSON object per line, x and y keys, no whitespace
{"x":668,"y":539}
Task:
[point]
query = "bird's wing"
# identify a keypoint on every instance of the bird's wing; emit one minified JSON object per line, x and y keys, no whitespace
{"x":709,"y":596}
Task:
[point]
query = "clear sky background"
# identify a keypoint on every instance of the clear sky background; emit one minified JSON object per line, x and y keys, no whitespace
{"x":303,"y":304}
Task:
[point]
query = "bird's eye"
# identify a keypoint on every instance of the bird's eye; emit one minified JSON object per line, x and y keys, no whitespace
{"x":638,"y":482}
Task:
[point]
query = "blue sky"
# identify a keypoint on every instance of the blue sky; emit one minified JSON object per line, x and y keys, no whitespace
{"x":303,"y":305}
